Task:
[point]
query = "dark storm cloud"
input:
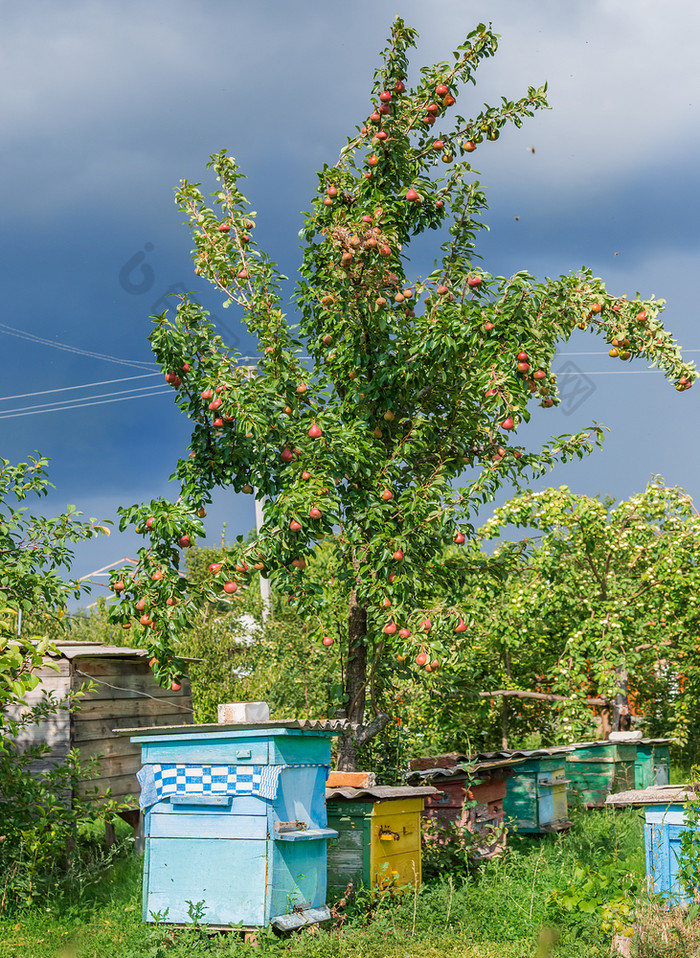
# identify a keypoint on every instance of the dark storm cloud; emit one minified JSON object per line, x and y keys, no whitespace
{"x":106,"y":106}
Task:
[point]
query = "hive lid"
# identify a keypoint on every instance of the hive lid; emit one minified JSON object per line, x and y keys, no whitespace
{"x":335,"y":726}
{"x":380,"y":793}
{"x":654,"y":795}
{"x":462,"y":769}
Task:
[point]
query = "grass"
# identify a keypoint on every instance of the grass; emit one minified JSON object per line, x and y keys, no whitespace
{"x":546,"y":897}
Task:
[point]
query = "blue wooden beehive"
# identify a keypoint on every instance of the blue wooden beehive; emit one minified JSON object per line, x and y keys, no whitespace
{"x":235,"y":822}
{"x":664,"y":823}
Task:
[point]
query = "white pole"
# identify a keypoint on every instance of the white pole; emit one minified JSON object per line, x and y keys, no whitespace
{"x":265,"y":592}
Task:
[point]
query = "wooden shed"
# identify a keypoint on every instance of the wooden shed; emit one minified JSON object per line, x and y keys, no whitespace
{"x":124,"y":694}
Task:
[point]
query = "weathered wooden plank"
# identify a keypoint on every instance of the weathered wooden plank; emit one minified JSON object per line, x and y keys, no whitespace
{"x":138,"y":687}
{"x":88,"y":730}
{"x":120,"y":786}
{"x":98,"y":708}
{"x":110,"y":747}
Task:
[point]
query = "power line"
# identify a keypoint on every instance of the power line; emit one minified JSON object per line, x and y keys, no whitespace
{"x":12,"y":414}
{"x":63,"y":389}
{"x":32,"y":338}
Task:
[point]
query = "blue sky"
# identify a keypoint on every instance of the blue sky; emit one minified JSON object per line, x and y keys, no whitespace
{"x":105,"y":107}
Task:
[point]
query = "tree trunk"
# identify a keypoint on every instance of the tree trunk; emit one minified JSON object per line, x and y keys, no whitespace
{"x":621,"y":718}
{"x":355,"y":683}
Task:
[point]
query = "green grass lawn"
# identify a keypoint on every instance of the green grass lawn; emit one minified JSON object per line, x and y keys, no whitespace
{"x":546,"y":896}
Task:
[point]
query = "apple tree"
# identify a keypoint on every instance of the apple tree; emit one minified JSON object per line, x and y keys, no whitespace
{"x":390,"y":405}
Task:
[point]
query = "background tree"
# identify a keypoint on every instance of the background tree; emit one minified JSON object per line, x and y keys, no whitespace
{"x":413,"y":383}
{"x":598,"y":604}
{"x":35,"y":553}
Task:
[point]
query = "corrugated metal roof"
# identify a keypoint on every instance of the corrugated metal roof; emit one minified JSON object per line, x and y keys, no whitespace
{"x":655,"y":795}
{"x":523,"y":754}
{"x":380,"y":792}
{"x":309,"y":725}
{"x":461,"y":768}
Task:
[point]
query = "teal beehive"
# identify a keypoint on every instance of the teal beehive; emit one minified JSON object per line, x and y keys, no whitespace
{"x":235,"y":824}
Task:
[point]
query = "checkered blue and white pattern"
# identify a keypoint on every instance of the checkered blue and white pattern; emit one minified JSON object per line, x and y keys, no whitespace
{"x":161,"y":781}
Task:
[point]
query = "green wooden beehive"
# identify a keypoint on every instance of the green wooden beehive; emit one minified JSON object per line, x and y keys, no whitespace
{"x":597,"y":769}
{"x":536,"y":799}
{"x":653,"y":763}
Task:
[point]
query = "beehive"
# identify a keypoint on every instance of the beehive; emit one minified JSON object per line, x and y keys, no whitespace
{"x":471,"y":794}
{"x":664,"y":823}
{"x":598,"y":769}
{"x":249,"y":854}
{"x":653,"y":763}
{"x":536,"y":801}
{"x":379,"y":836}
